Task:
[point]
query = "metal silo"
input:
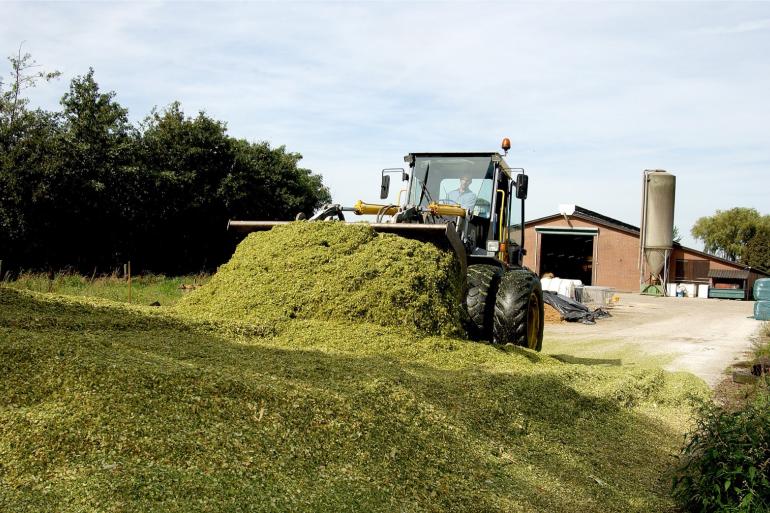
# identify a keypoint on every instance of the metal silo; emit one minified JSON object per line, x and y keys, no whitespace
{"x":657,"y":230}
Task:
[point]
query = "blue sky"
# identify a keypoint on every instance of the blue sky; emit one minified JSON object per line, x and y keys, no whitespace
{"x":590,"y":94}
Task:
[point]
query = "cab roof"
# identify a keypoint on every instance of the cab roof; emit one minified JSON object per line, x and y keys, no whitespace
{"x":495,"y":156}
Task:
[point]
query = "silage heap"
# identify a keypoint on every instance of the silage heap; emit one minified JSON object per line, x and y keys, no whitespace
{"x":318,"y":388}
{"x":334,"y":272}
{"x":113,"y":407}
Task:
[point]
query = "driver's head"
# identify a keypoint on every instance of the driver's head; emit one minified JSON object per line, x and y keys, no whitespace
{"x":465,"y":181}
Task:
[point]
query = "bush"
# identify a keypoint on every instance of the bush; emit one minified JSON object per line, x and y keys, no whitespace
{"x":725,"y":463}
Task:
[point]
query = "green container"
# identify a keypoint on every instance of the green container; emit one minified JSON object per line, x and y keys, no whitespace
{"x":762,"y":310}
{"x":762,"y":289}
{"x":727,"y":293}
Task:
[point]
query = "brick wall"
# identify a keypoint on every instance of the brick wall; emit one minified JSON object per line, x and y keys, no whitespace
{"x":687,"y":254}
{"x":616,"y":253}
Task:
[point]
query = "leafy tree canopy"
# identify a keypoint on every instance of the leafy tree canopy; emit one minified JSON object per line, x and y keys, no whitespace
{"x":729,"y":233}
{"x":24,"y":75}
{"x":757,"y":252}
{"x":676,"y":236}
{"x":85,"y":188}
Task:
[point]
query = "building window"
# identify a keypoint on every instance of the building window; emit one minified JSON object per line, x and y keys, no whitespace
{"x":692,"y":270}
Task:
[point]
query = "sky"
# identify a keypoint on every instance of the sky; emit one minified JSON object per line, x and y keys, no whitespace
{"x":590,"y":93}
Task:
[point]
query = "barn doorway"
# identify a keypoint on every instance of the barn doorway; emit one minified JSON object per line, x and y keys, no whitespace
{"x":568,"y":255}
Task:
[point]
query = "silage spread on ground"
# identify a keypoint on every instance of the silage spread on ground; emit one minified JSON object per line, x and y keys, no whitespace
{"x":110,"y":405}
{"x":152,"y":410}
{"x":338,"y":272}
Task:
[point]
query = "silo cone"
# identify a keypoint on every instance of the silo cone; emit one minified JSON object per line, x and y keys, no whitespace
{"x":656,"y":259}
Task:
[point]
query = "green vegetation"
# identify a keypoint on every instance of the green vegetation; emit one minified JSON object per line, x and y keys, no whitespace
{"x":607,"y":352}
{"x":762,"y":348}
{"x":725,"y":463}
{"x":84,"y":187}
{"x":145,"y":289}
{"x":740,"y":234}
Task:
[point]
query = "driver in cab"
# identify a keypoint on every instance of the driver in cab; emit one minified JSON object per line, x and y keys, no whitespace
{"x":462,"y":195}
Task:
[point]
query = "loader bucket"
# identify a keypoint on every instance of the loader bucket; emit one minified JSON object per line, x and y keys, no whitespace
{"x":252,"y":226}
{"x":442,"y":235}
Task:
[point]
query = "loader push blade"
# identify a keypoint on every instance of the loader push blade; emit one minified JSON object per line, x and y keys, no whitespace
{"x":252,"y":226}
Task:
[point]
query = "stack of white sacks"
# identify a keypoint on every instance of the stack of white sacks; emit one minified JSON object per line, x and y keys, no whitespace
{"x":561,"y":286}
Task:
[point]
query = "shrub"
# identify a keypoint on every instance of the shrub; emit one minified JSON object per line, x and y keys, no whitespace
{"x":725,"y":463}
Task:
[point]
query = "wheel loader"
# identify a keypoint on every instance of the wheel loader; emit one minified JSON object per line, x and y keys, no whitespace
{"x":471,"y":204}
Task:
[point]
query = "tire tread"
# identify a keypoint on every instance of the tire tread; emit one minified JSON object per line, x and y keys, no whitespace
{"x":483,"y":282}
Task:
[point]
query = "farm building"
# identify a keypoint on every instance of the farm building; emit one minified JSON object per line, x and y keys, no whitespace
{"x":602,"y":251}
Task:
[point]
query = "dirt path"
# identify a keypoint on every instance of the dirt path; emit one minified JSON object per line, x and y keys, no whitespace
{"x":702,"y":336}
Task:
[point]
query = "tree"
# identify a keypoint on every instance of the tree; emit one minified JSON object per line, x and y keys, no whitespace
{"x":202,"y":177}
{"x":728,"y":233}
{"x":23,"y":76}
{"x":185,"y":159}
{"x":267,"y":183}
{"x":26,"y":170}
{"x":757,"y":252}
{"x":84,"y":188}
{"x":676,"y":236}
{"x":27,"y":156}
{"x":95,"y":155}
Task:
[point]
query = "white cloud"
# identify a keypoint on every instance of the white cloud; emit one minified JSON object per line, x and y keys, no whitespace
{"x":740,"y":28}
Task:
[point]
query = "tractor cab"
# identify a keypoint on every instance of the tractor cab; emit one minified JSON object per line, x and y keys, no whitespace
{"x":479,"y":192}
{"x":473,"y":205}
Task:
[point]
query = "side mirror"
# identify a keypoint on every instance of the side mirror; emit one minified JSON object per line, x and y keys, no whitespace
{"x":385,"y":186}
{"x":522,"y":184}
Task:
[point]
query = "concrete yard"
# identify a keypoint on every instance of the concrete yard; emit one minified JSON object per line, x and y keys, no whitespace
{"x":702,"y":336}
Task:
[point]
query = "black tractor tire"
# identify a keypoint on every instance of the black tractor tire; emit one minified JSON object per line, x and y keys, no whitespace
{"x":479,"y":301}
{"x":518,"y":317}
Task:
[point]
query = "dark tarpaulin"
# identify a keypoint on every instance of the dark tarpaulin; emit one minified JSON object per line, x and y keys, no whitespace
{"x":573,"y":311}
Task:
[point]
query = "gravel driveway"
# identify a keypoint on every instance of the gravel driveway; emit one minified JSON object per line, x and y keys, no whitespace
{"x":702,"y":336}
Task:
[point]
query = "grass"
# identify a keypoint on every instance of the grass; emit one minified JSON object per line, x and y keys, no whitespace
{"x":762,"y":346}
{"x":114,"y":407}
{"x":145,"y":289}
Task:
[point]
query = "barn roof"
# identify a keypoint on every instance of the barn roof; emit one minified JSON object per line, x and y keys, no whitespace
{"x":732,"y":274}
{"x":594,"y":217}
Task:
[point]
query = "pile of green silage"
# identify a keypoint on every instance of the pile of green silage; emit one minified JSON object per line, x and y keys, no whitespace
{"x":289,"y":383}
{"x":337,"y":272}
{"x":112,"y":407}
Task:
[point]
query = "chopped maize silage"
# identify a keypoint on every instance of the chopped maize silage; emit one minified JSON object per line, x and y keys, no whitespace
{"x":335,"y":271}
{"x":113,"y":407}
